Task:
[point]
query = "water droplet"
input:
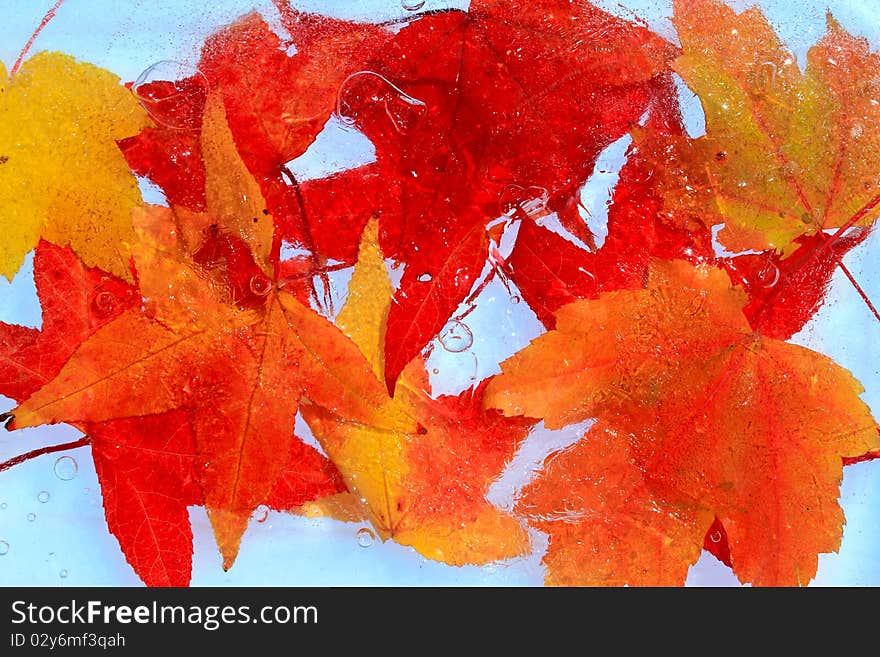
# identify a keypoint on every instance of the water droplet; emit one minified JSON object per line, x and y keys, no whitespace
{"x":530,"y":200}
{"x":4,"y":548}
{"x":66,"y":468}
{"x":31,"y":517}
{"x":43,"y":496}
{"x":456,"y":336}
{"x":715,"y":536}
{"x":590,"y":284}
{"x":768,"y":276}
{"x":365,"y":537}
{"x":425,"y":278}
{"x":64,"y":573}
{"x":167,"y":90}
{"x":514,"y":299}
{"x":435,"y":371}
{"x":261,"y":513}
{"x":104,"y":303}
{"x":260,"y":285}
{"x":361,"y":92}
{"x":412,"y":5}
{"x":3,"y":506}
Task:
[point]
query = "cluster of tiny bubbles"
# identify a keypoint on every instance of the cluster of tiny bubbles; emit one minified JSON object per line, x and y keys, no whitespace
{"x":66,"y":468}
{"x":4,"y":548}
{"x":43,"y":496}
{"x":456,"y":336}
{"x":412,"y":5}
{"x":365,"y":537}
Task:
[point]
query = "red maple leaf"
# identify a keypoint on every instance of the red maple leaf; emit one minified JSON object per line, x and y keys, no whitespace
{"x":466,"y":108}
{"x":551,"y":271}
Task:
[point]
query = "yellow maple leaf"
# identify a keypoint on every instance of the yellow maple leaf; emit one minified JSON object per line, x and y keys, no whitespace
{"x":786,"y":153}
{"x":62,"y":176}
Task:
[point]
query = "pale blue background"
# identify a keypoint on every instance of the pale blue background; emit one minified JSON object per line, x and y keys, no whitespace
{"x":68,"y":535}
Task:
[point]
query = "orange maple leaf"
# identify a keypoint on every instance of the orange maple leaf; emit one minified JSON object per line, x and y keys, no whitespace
{"x":241,"y":360}
{"x":697,"y":417}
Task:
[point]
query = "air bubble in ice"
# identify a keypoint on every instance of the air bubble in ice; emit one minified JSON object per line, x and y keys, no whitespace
{"x":260,"y":285}
{"x":360,"y":92}
{"x":456,"y":336}
{"x":768,"y":276}
{"x":104,"y":303}
{"x":66,"y":468}
{"x":163,"y":90}
{"x":261,"y":513}
{"x":365,"y":537}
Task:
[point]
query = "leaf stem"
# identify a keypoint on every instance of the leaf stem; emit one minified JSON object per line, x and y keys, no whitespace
{"x":859,"y":289}
{"x":857,"y":217}
{"x":49,"y":449}
{"x":829,"y":243}
{"x":317,"y":263}
{"x":24,"y":51}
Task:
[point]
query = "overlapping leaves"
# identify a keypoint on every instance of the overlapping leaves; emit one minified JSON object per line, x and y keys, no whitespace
{"x":187,"y":359}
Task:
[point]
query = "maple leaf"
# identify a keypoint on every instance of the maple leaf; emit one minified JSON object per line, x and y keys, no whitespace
{"x":277,"y":95}
{"x":147,"y":472}
{"x":62,"y":176}
{"x":76,"y":301}
{"x":698,"y":417}
{"x":278,"y":98}
{"x":551,"y":270}
{"x":194,"y":345}
{"x":169,"y":154}
{"x":422,"y":466}
{"x":465,"y":107}
{"x":784,"y":294}
{"x":145,"y":467}
{"x":785,"y":153}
